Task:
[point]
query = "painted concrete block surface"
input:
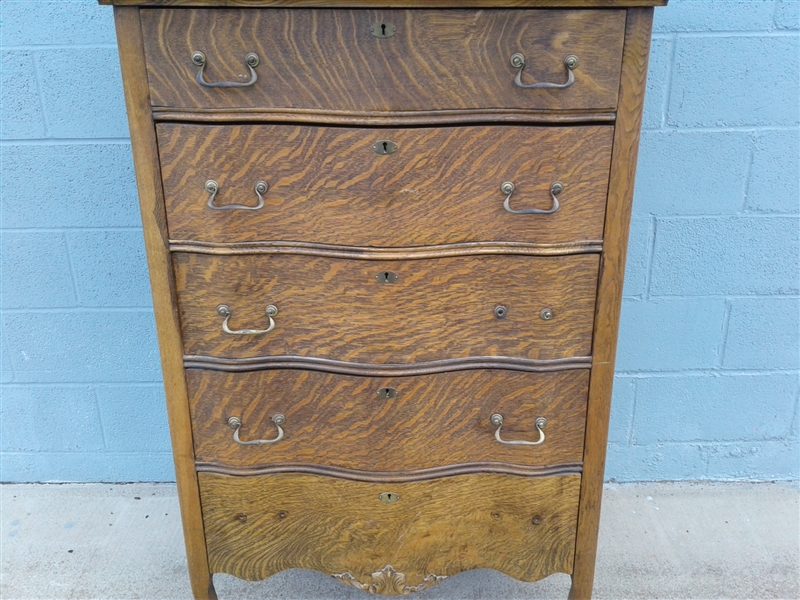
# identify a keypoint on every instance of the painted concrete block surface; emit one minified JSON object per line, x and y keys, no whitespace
{"x":709,"y":351}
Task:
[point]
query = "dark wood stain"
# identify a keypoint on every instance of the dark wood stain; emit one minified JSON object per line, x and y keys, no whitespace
{"x":441,"y":186}
{"x":323,"y":58}
{"x":258,"y":526}
{"x":438,"y":309}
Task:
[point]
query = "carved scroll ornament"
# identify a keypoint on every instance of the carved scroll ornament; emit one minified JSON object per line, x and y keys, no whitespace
{"x":389,"y":582}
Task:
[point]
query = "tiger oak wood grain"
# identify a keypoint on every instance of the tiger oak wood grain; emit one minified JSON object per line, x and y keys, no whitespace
{"x":435,"y":420}
{"x":258,"y":526}
{"x":322,"y":59}
{"x":151,"y":202}
{"x":612,"y":274}
{"x":438,"y":308}
{"x":441,"y":186}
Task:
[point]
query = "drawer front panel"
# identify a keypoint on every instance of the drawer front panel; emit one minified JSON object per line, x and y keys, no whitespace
{"x":258,"y":526}
{"x":440,"y":185}
{"x":327,"y":60}
{"x":349,"y":422}
{"x":436,"y":309}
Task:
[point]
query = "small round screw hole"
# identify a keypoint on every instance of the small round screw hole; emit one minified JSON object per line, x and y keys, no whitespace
{"x":536,"y":520}
{"x":500,"y":312}
{"x":495,"y":515}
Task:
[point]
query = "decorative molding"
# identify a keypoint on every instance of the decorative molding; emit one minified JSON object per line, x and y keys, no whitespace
{"x":393,"y":476}
{"x":367,"y":253}
{"x":234,"y":365}
{"x":389,"y":582}
{"x":388,"y":118}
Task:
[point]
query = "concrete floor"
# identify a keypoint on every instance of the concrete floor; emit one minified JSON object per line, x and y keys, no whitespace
{"x":657,"y":540}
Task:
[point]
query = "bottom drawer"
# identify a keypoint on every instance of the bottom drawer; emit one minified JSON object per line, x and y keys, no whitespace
{"x":428,"y":530}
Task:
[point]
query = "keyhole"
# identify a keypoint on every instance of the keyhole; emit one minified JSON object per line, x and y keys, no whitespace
{"x":386,"y":276}
{"x":383,"y":32}
{"x":385,"y":146}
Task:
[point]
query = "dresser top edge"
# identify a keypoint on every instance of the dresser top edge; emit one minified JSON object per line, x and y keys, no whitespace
{"x":394,"y":4}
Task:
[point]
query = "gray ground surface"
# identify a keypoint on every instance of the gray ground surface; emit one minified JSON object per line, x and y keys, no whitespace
{"x":657,"y":540}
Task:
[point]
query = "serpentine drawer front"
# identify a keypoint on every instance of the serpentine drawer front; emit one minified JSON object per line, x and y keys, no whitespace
{"x":536,"y":308}
{"x":373,"y":60}
{"x":386,"y":248}
{"x":385,"y":187}
{"x":384,"y":424}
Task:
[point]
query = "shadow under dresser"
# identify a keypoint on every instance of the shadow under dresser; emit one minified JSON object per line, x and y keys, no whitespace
{"x":386,"y":248}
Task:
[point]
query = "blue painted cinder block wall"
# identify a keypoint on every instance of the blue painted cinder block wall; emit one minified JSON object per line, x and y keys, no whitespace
{"x":709,"y":355}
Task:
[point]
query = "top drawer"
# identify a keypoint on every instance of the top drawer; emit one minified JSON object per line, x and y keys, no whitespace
{"x":328,"y":60}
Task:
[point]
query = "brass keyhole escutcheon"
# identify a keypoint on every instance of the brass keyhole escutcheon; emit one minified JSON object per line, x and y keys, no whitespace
{"x":386,"y":277}
{"x":384,"y":147}
{"x":383,"y":30}
{"x":386,"y":393}
{"x":388,"y":497}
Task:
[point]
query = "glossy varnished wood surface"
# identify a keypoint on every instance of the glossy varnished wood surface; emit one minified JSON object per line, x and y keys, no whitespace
{"x":260,"y":526}
{"x":438,"y":309}
{"x":321,"y":59}
{"x":151,"y":202}
{"x":435,"y":420}
{"x":441,"y":186}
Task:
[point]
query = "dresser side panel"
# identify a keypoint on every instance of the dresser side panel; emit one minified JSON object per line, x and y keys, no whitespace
{"x":148,"y":177}
{"x":609,"y":297}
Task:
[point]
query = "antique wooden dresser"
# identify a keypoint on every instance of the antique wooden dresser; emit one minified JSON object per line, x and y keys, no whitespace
{"x":386,"y":243}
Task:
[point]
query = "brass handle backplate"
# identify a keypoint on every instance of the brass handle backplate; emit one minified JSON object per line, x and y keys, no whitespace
{"x":518,"y":62}
{"x":235,"y":423}
{"x":250,"y":59}
{"x":497,"y":420}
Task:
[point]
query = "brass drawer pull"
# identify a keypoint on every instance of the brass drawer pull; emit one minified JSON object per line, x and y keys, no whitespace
{"x":212,"y":187}
{"x":250,"y":59}
{"x":497,"y":421}
{"x":518,"y":62}
{"x":508,"y":189}
{"x":235,"y":423}
{"x":224,"y":311}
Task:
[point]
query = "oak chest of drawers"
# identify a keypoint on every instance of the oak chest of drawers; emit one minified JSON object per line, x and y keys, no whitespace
{"x":386,"y":249}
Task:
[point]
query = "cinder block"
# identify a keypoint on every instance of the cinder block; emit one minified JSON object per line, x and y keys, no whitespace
{"x":670,"y":334}
{"x":87,"y":467}
{"x":19,"y":97}
{"x":90,"y":185}
{"x":82,"y":91}
{"x":639,"y":243}
{"x":787,"y":14}
{"x":734,"y":81}
{"x":691,"y":172}
{"x":36,"y":272}
{"x":775,"y":176}
{"x":49,"y":419}
{"x":763,"y":333}
{"x":759,"y":461}
{"x":659,"y":462}
{"x":622,"y":410}
{"x":28,"y":22}
{"x":657,"y":74}
{"x":134,"y":418}
{"x":18,"y":467}
{"x":6,"y":372}
{"x":714,"y":15}
{"x":703,"y":408}
{"x":726,"y":255}
{"x":82,"y":346}
{"x":110,"y":268}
